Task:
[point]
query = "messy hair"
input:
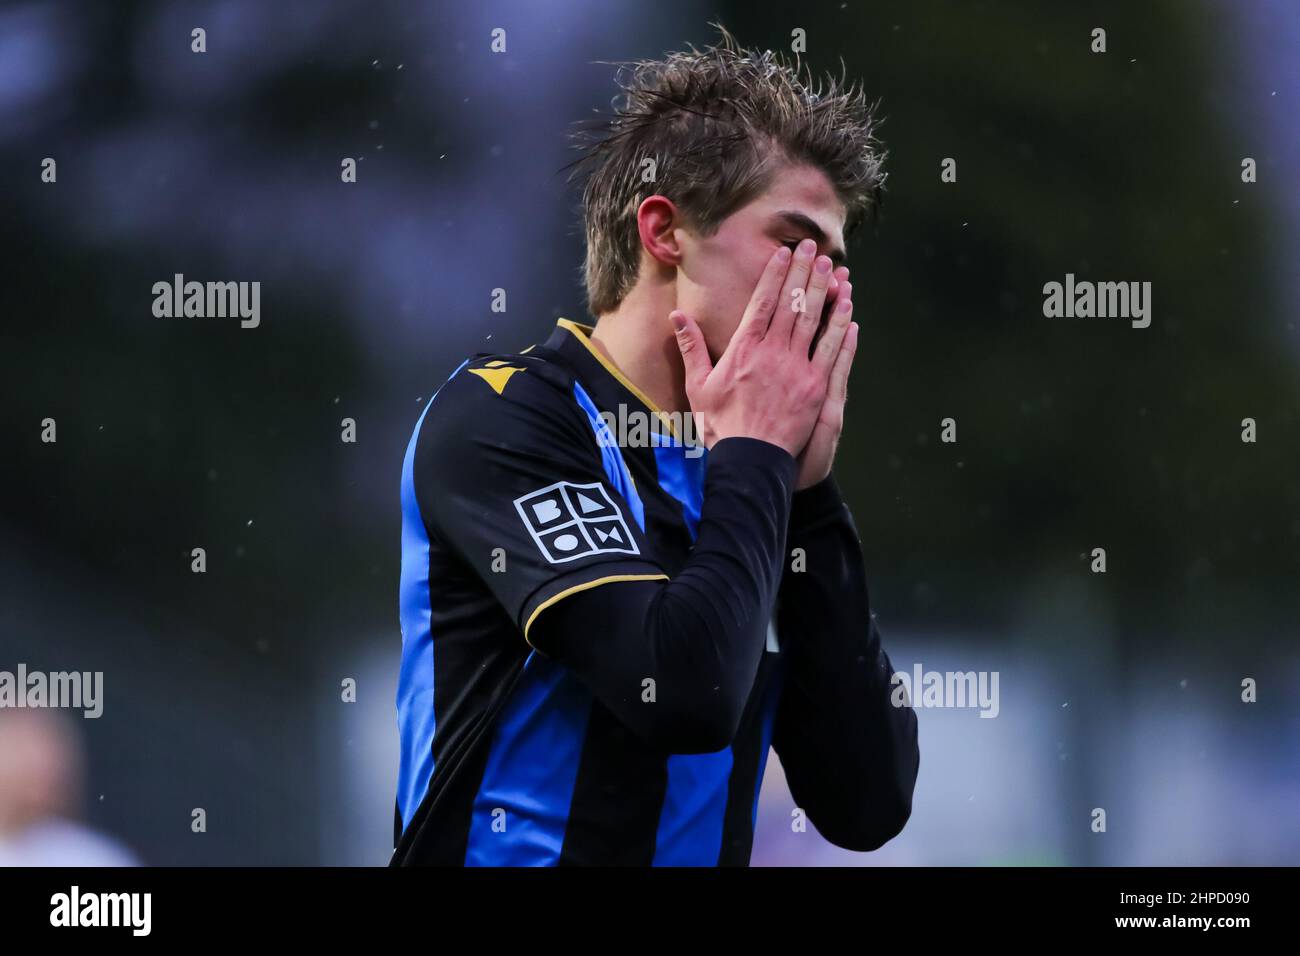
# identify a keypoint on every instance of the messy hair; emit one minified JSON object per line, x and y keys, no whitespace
{"x":717,"y":124}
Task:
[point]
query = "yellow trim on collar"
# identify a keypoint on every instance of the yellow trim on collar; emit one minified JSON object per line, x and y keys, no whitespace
{"x":582,"y":333}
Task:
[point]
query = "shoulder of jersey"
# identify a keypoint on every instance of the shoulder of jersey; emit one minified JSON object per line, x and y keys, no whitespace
{"x":491,"y":383}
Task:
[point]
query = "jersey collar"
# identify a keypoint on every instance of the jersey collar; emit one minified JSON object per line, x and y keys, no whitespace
{"x":572,"y":340}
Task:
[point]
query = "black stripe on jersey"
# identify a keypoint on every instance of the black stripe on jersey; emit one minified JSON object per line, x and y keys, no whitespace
{"x":737,"y":832}
{"x":617,"y":797}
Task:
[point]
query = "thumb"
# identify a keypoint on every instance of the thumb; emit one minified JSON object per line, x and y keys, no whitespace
{"x":695,"y":357}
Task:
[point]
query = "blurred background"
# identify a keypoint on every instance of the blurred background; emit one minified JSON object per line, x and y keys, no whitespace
{"x":222,"y":690}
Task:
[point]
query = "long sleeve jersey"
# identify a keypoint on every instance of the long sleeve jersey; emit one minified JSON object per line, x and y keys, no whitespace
{"x":606,"y":630}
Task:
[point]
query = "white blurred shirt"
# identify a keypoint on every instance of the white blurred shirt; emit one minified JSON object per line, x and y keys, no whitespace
{"x":62,"y":843}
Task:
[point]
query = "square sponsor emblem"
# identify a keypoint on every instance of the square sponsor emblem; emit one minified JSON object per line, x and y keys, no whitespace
{"x":570,"y":521}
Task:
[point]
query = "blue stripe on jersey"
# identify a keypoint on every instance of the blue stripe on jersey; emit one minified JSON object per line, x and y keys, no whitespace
{"x":683,"y":478}
{"x":615,"y":467}
{"x":695,"y":801}
{"x":415,"y":715}
{"x":522,"y":806}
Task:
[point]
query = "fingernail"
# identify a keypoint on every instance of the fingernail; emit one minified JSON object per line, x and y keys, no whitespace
{"x":843,"y":305}
{"x":679,"y":321}
{"x":823,"y":265}
{"x":783,"y":254}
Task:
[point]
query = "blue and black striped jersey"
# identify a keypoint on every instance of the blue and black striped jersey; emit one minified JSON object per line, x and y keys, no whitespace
{"x":520,"y":506}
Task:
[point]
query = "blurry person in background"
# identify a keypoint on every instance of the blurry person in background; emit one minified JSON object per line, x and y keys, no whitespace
{"x":41,"y":770}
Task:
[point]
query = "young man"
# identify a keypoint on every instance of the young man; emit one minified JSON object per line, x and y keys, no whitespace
{"x":601,"y":641}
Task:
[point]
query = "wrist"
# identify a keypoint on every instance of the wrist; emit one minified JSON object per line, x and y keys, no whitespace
{"x":816,"y":501}
{"x":741,"y":451}
{"x":808,"y":482}
{"x":754,"y":435}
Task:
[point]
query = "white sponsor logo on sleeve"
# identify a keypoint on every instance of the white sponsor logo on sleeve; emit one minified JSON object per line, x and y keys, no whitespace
{"x":569,"y":521}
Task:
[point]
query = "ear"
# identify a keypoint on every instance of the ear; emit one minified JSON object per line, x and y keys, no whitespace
{"x":657,"y":220}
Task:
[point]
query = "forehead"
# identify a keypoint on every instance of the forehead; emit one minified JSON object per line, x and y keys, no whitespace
{"x":798,"y":190}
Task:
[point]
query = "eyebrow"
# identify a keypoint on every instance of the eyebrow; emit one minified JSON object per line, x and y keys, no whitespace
{"x":800,"y":221}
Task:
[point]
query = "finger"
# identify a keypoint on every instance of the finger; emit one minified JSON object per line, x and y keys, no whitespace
{"x":690,"y":342}
{"x":838,"y":278}
{"x":796,"y":283}
{"x":839,"y":384}
{"x":828,"y":348}
{"x":766,"y":295}
{"x":840,"y":275}
{"x":807,"y":321}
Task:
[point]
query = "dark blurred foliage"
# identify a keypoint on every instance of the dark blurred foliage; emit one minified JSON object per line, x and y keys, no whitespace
{"x":1072,"y":433}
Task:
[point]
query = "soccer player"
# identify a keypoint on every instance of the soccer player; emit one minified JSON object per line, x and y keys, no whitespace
{"x":601,"y":641}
